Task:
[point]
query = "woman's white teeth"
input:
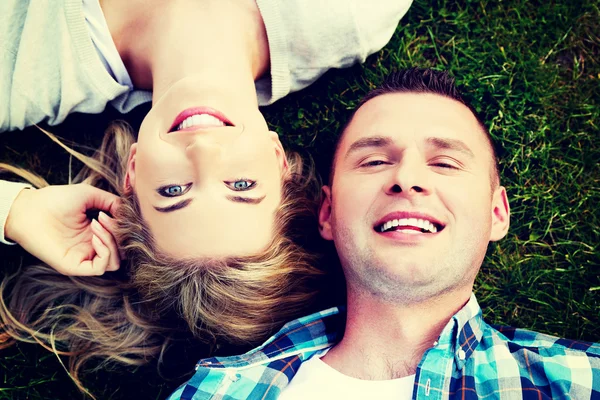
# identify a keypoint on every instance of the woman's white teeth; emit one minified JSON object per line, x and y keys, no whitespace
{"x":423,"y":224}
{"x":205,"y":120}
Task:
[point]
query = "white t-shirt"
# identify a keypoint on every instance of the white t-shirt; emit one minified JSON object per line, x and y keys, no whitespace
{"x":317,"y":380}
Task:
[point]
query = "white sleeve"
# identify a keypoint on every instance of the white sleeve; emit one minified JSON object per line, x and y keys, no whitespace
{"x":8,"y":193}
{"x":377,"y":21}
{"x":309,"y":37}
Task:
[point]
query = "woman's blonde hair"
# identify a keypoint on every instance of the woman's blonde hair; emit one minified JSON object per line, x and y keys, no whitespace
{"x":129,"y":316}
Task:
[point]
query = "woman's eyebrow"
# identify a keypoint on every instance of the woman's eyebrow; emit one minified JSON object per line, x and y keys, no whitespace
{"x":247,"y":200}
{"x":174,"y":207}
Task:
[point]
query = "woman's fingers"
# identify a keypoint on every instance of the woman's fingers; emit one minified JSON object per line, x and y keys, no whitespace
{"x":108,"y":241}
{"x":110,"y":225}
{"x":98,"y":264}
{"x":100,"y":199}
{"x":101,"y":260}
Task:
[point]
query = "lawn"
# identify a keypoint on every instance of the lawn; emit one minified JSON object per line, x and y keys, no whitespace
{"x":532,"y":68}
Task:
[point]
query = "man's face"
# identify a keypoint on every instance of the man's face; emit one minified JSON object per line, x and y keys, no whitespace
{"x":413,"y":206}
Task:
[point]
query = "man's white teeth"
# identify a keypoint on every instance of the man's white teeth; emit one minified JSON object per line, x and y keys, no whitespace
{"x":205,"y":120}
{"x":416,"y":222}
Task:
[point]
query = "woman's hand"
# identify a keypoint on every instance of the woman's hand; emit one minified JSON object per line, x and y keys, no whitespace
{"x":51,"y":224}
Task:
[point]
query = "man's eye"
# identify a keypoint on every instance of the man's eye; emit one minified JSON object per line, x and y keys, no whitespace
{"x":173,"y":190}
{"x":241,"y":184}
{"x":373,"y":163}
{"x":445,"y":165}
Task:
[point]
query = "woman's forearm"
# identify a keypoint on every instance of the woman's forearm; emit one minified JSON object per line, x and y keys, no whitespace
{"x":8,"y":193}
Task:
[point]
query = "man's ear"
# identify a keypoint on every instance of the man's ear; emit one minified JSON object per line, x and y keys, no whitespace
{"x":280,"y":153}
{"x":500,"y":214}
{"x":325,"y":214}
{"x":129,"y":182}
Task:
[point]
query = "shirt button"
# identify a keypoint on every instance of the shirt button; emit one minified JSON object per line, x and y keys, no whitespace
{"x":435,"y":343}
{"x":233,"y":376}
{"x":461,"y":354}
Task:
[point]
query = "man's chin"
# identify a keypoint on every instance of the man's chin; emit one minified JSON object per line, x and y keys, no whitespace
{"x":403,"y":281}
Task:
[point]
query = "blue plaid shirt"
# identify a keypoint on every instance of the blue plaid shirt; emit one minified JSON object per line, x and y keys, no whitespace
{"x":470,"y":360}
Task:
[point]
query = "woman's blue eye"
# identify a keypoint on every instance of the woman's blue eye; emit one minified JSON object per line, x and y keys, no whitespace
{"x":241,"y":184}
{"x":173,"y":190}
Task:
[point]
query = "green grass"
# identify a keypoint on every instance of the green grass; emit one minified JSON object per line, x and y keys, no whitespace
{"x":532,"y":68}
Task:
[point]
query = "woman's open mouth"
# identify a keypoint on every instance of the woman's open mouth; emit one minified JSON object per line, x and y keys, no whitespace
{"x":198,"y":118}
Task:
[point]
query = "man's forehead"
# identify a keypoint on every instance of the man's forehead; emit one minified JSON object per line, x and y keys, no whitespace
{"x":402,"y":113}
{"x":393,"y":113}
{"x":412,"y":108}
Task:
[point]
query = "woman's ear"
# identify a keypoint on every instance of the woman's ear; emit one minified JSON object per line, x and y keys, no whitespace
{"x":280,"y":152}
{"x":129,"y":181}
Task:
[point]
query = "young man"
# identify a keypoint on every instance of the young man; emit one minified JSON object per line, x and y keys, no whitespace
{"x":413,"y":201}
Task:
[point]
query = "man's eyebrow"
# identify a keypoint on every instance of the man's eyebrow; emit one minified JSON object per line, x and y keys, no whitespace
{"x":174,"y":207}
{"x":373,"y":141}
{"x":247,"y":200}
{"x":450,"y":144}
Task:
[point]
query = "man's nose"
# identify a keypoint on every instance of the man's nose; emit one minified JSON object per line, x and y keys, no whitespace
{"x":409,"y":177}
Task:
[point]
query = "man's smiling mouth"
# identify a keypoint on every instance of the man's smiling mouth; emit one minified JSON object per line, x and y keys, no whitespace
{"x":406,"y":223}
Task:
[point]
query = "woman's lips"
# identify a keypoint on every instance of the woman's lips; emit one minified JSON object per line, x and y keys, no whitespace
{"x":190,"y":112}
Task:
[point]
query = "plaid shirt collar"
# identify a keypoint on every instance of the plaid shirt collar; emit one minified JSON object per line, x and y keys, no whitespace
{"x":303,"y":336}
{"x":463,"y":332}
